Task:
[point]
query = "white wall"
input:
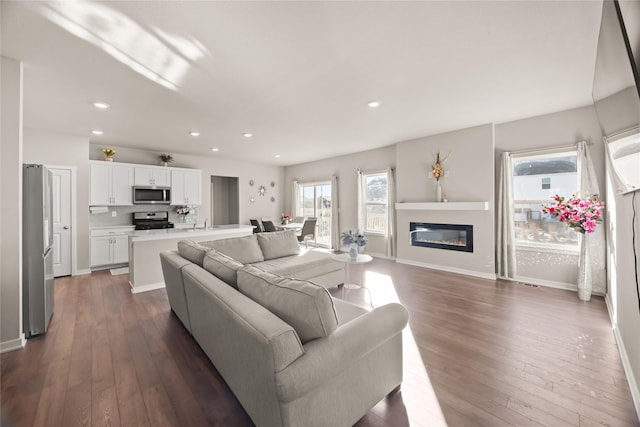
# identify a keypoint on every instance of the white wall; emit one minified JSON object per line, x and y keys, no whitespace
{"x":11,"y":335}
{"x":471,"y":171}
{"x":345,"y":168}
{"x":212,"y":166}
{"x":60,"y":149}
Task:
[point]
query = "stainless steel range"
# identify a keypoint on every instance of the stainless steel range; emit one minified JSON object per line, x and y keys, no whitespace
{"x":151,"y":220}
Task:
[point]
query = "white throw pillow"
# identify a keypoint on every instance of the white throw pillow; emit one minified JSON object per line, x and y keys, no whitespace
{"x":223,"y":267}
{"x":308,"y":308}
{"x":278,"y":244}
{"x":245,"y":250}
{"x":192,"y":251}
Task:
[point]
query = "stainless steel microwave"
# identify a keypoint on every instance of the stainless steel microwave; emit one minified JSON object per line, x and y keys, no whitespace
{"x":151,"y":195}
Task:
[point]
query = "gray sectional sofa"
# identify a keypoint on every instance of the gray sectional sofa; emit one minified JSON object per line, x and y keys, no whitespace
{"x":291,"y":354}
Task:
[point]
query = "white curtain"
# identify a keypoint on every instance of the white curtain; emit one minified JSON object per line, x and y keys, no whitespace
{"x":295,"y":190}
{"x":335,"y":215}
{"x":591,"y":268}
{"x":361,"y":207}
{"x":390,"y":239}
{"x":506,"y":239}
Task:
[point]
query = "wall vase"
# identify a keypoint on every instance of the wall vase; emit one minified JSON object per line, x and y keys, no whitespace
{"x":353,"y":251}
{"x":438,"y":191}
{"x":584,"y":276}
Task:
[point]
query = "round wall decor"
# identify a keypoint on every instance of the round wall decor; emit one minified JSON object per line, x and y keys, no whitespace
{"x":251,"y":182}
{"x":273,"y":184}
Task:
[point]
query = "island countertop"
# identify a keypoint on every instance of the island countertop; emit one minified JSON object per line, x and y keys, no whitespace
{"x":145,"y":271}
{"x":189,"y":233}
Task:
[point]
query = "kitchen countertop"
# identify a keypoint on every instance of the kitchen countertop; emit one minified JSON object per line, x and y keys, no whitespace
{"x":175,"y":233}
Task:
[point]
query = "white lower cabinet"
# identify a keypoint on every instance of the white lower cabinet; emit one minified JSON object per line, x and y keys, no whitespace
{"x":109,"y":248}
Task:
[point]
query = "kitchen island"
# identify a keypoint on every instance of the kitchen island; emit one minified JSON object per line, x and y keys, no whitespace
{"x":145,"y":272}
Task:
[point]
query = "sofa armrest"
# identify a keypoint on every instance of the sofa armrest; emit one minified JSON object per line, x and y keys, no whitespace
{"x":325,"y":357}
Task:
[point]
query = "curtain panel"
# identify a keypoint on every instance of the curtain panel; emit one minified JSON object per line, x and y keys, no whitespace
{"x":506,"y":236}
{"x":335,"y":214}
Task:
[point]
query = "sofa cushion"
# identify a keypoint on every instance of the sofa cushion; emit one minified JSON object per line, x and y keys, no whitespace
{"x":192,"y":251}
{"x":245,"y":250}
{"x":222,"y":266}
{"x":307,"y":307}
{"x":305,"y":266}
{"x":278,"y":244}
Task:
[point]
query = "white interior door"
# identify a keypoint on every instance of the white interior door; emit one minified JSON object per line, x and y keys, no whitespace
{"x":61,"y":192}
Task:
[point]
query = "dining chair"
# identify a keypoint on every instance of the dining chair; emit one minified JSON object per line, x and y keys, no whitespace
{"x":308,"y":231}
{"x":268,"y":226}
{"x":257,"y":225}
{"x":298,"y":219}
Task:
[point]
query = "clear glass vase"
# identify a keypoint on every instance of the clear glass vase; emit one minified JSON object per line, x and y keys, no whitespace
{"x":353,"y":251}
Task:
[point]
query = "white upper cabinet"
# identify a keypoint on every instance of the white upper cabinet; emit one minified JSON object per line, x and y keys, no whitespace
{"x":111,"y":184}
{"x":186,"y":187}
{"x":152,"y":176}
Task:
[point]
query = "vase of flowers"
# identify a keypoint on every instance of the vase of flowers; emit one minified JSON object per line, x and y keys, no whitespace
{"x":437,"y":172}
{"x":108,"y":154}
{"x":582,"y":216}
{"x":165,"y":158}
{"x":183,"y":211}
{"x":355,"y":240}
{"x":285,"y":219}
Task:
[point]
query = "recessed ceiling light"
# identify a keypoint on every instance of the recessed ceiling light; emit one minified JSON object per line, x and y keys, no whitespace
{"x":373,"y":104}
{"x":215,"y":149}
{"x":276,"y":155}
{"x":97,"y":132}
{"x":247,"y":135}
{"x":101,"y":105}
{"x":194,"y":133}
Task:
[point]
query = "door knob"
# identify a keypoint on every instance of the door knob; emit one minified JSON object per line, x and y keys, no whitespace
{"x":66,"y":227}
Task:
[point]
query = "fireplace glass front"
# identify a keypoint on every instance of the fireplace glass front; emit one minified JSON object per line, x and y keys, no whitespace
{"x":452,"y":237}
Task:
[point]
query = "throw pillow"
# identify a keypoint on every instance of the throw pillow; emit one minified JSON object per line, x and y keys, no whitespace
{"x":192,"y":251}
{"x":245,"y":250}
{"x":308,"y":308}
{"x":278,"y":244}
{"x":223,"y":267}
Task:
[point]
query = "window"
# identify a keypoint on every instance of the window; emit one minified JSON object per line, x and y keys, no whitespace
{"x":375,"y":202}
{"x":535,"y":180}
{"x":314,"y":200}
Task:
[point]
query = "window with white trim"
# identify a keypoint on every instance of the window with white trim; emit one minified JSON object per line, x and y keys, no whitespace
{"x":375,"y":202}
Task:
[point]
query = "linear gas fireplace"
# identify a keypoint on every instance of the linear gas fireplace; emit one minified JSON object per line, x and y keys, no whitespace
{"x":452,"y":237}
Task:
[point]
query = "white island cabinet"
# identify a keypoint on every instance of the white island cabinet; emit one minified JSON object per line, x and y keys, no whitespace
{"x":111,"y":184}
{"x":186,"y":187}
{"x":145,"y":271}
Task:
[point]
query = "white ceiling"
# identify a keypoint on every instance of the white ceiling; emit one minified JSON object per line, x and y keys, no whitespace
{"x":297,"y":75}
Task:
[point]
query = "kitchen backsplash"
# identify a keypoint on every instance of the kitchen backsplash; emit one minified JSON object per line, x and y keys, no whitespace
{"x":123,"y":215}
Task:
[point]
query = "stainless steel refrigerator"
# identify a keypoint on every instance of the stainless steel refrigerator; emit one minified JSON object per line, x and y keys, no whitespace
{"x":37,"y":249}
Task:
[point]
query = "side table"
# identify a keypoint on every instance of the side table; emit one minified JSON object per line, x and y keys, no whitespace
{"x":361,"y":260}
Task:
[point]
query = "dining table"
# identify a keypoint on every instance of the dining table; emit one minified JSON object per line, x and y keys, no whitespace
{"x":290,"y":226}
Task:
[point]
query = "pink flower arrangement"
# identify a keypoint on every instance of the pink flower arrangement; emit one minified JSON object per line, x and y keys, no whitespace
{"x":582,"y":215}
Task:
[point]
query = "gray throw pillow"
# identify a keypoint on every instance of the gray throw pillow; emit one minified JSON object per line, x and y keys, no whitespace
{"x":192,"y":251}
{"x":245,"y":250}
{"x":223,"y":267}
{"x":308,"y":308}
{"x":278,"y":244}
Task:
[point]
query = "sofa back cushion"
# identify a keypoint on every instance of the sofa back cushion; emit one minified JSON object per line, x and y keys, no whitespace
{"x":245,"y":250}
{"x":192,"y":251}
{"x":278,"y":244}
{"x":222,"y":266}
{"x":307,"y":307}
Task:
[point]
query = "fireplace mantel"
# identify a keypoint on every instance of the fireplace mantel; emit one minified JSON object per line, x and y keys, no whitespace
{"x":443,"y":206}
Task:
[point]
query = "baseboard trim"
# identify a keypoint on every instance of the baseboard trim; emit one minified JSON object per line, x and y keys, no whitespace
{"x":626,"y":364}
{"x":550,"y":284}
{"x":12,"y":345}
{"x":146,"y":288}
{"x":382,"y":256}
{"x":479,"y":274}
{"x":81,"y":272}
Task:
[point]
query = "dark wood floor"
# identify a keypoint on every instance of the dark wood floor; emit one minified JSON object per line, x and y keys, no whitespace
{"x":478,"y":352}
